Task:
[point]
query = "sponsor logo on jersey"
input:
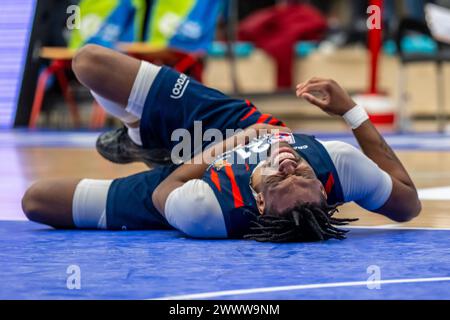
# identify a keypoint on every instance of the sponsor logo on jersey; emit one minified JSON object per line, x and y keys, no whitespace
{"x":220,"y":163}
{"x":282,"y":137}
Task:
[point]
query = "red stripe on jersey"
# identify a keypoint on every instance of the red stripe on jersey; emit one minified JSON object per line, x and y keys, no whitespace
{"x":273,"y":121}
{"x":247,"y":168}
{"x":248,"y":114}
{"x":263,"y":118}
{"x":329,"y":184}
{"x":277,"y":122}
{"x":237,"y":196}
{"x":215,"y":179}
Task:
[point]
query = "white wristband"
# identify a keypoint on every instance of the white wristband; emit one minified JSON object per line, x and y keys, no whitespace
{"x":355,"y":116}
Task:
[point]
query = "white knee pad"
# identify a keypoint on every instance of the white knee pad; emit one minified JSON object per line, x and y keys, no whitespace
{"x":89,"y":204}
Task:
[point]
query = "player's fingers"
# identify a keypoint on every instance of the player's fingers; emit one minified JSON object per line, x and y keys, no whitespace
{"x":275,"y":129}
{"x":316,"y":80}
{"x":321,"y":103}
{"x":300,"y":86}
{"x":319,"y":86}
{"x":281,"y":129}
{"x":310,"y":81}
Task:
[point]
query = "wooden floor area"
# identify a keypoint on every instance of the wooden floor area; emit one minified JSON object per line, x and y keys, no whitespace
{"x":428,"y":170}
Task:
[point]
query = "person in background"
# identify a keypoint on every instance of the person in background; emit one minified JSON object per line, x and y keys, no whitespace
{"x":355,"y":31}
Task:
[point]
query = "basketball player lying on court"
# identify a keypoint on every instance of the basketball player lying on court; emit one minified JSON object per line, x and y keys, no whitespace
{"x":276,"y":186}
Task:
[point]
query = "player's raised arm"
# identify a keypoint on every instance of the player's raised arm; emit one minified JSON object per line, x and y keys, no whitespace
{"x":403,"y":203}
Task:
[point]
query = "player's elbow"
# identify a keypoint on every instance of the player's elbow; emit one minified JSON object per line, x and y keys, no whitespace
{"x":194,"y":210}
{"x":410,"y":211}
{"x":33,"y":202}
{"x":415,"y":209}
{"x":158,"y":200}
{"x":195,"y":228}
{"x":198,"y":220}
{"x":201,"y":224}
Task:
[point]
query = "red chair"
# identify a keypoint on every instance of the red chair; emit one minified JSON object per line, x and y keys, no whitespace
{"x":61,"y":61}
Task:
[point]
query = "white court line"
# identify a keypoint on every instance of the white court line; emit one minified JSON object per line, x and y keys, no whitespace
{"x":395,"y":226}
{"x":207,"y":295}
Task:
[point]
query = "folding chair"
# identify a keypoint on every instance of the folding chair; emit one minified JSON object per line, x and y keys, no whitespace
{"x":184,"y":30}
{"x":103,"y":22}
{"x":439,"y":57}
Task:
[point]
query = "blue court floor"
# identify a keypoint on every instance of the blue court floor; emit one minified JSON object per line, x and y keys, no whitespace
{"x":412,"y":264}
{"x":38,"y":262}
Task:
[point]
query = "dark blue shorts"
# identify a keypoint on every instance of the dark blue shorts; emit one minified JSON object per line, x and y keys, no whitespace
{"x":175,"y":101}
{"x":129,"y":203}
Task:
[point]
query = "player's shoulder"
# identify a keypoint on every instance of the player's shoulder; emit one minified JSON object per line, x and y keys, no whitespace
{"x":196,"y":190}
{"x":194,"y":209}
{"x":341,"y":148}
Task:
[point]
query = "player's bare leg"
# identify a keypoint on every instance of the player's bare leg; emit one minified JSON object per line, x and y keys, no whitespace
{"x":50,"y":202}
{"x":119,"y":83}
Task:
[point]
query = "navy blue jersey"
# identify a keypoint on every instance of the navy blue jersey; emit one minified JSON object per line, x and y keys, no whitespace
{"x":175,"y":101}
{"x":229,"y":176}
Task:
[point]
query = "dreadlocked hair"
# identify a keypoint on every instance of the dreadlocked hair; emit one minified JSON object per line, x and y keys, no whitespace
{"x":306,"y":222}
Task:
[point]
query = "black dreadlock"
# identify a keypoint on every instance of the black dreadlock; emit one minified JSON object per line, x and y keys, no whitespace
{"x":304,"y":223}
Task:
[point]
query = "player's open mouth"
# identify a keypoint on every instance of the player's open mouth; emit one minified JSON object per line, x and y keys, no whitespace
{"x":283,"y":154}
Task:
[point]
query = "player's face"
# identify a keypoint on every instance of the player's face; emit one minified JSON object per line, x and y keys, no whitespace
{"x":288,"y":179}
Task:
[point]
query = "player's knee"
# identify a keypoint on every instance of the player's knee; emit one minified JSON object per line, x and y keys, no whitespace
{"x":32,"y":202}
{"x":85,"y":61}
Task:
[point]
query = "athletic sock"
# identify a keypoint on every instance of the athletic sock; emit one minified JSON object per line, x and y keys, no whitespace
{"x":135,"y":135}
{"x":133,"y":111}
{"x":115,"y":109}
{"x":144,"y":79}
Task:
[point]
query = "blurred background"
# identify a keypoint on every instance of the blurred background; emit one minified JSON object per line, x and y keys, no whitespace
{"x":258,"y":50}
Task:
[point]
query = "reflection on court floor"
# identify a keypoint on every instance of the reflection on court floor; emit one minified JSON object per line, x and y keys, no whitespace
{"x":411,"y":141}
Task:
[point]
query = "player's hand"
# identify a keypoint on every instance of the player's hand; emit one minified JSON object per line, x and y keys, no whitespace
{"x":258,"y":130}
{"x":325,"y":94}
{"x":264,"y":128}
